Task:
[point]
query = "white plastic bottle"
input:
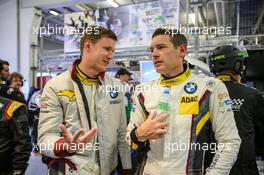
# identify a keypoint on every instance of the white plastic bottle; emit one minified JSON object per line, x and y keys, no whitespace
{"x":162,"y":107}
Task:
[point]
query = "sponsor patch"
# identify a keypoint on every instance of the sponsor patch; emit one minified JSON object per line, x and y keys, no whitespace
{"x":228,"y":102}
{"x":115,"y":102}
{"x":210,"y":83}
{"x":44,"y":99}
{"x":237,"y":103}
{"x":67,"y":93}
{"x":12,"y":107}
{"x":113,"y":94}
{"x":190,"y":87}
{"x":189,"y":99}
{"x":220,"y":96}
{"x":189,"y":105}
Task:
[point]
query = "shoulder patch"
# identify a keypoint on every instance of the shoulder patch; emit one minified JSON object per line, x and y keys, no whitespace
{"x":14,"y":105}
{"x":67,"y":93}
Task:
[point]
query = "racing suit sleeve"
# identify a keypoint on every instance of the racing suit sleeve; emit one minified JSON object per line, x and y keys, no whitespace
{"x":51,"y":115}
{"x":226,"y":133}
{"x":123,"y":147}
{"x":21,"y":140}
{"x":258,"y":111}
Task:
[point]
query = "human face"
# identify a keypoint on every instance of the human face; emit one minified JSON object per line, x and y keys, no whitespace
{"x":5,"y":72}
{"x":125,"y":78}
{"x":167,"y":60}
{"x":16,"y":83}
{"x":99,"y":54}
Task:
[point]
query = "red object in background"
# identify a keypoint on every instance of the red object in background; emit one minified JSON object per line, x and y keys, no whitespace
{"x":45,"y":79}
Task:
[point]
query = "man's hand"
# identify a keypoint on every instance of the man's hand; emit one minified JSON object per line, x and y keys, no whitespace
{"x":73,"y":142}
{"x":153,"y":128}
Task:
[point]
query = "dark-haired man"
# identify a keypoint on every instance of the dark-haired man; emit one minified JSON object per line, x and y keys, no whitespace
{"x":4,"y":71}
{"x":178,"y":138}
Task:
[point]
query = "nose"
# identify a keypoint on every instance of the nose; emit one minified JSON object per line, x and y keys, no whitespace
{"x":154,"y":54}
{"x":110,"y":55}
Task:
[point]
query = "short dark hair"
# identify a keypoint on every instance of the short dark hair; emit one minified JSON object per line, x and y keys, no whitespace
{"x":176,"y":37}
{"x":2,"y":63}
{"x":122,"y":71}
{"x":16,"y":74}
{"x":97,"y":33}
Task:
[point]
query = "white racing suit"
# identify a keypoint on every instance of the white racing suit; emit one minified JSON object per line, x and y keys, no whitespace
{"x":198,"y":105}
{"x":62,"y":102}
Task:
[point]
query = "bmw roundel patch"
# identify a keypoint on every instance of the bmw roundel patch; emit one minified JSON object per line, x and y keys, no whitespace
{"x":113,"y":94}
{"x":190,"y":87}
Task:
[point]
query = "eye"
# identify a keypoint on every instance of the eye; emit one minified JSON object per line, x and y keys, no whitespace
{"x":160,"y":47}
{"x":109,"y":49}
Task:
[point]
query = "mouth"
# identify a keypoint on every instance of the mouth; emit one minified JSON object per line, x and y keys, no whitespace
{"x":106,"y":62}
{"x":157,"y":63}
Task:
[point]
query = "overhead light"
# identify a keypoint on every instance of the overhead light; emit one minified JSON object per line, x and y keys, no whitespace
{"x":53,"y":12}
{"x":113,"y":3}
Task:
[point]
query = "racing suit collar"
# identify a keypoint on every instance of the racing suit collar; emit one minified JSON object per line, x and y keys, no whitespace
{"x":85,"y":79}
{"x":74,"y":71}
{"x":168,"y":82}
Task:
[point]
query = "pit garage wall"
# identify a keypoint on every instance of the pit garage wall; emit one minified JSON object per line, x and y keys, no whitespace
{"x":14,"y":45}
{"x":8,"y":33}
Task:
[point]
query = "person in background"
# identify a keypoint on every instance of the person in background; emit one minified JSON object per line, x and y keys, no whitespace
{"x":227,"y":63}
{"x":125,"y":76}
{"x":4,"y":72}
{"x":15,"y":145}
{"x":15,"y":82}
{"x":176,"y":138}
{"x":11,"y":88}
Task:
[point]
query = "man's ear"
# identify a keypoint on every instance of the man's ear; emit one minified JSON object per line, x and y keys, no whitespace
{"x":87,"y":46}
{"x":183,"y":50}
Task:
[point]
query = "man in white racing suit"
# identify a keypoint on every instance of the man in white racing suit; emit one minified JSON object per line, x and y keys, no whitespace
{"x":82,"y":118}
{"x":198,"y":106}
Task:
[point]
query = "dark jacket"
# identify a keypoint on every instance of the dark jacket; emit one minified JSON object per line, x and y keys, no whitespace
{"x":248,"y":108}
{"x":10,"y":93}
{"x":15,"y":145}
